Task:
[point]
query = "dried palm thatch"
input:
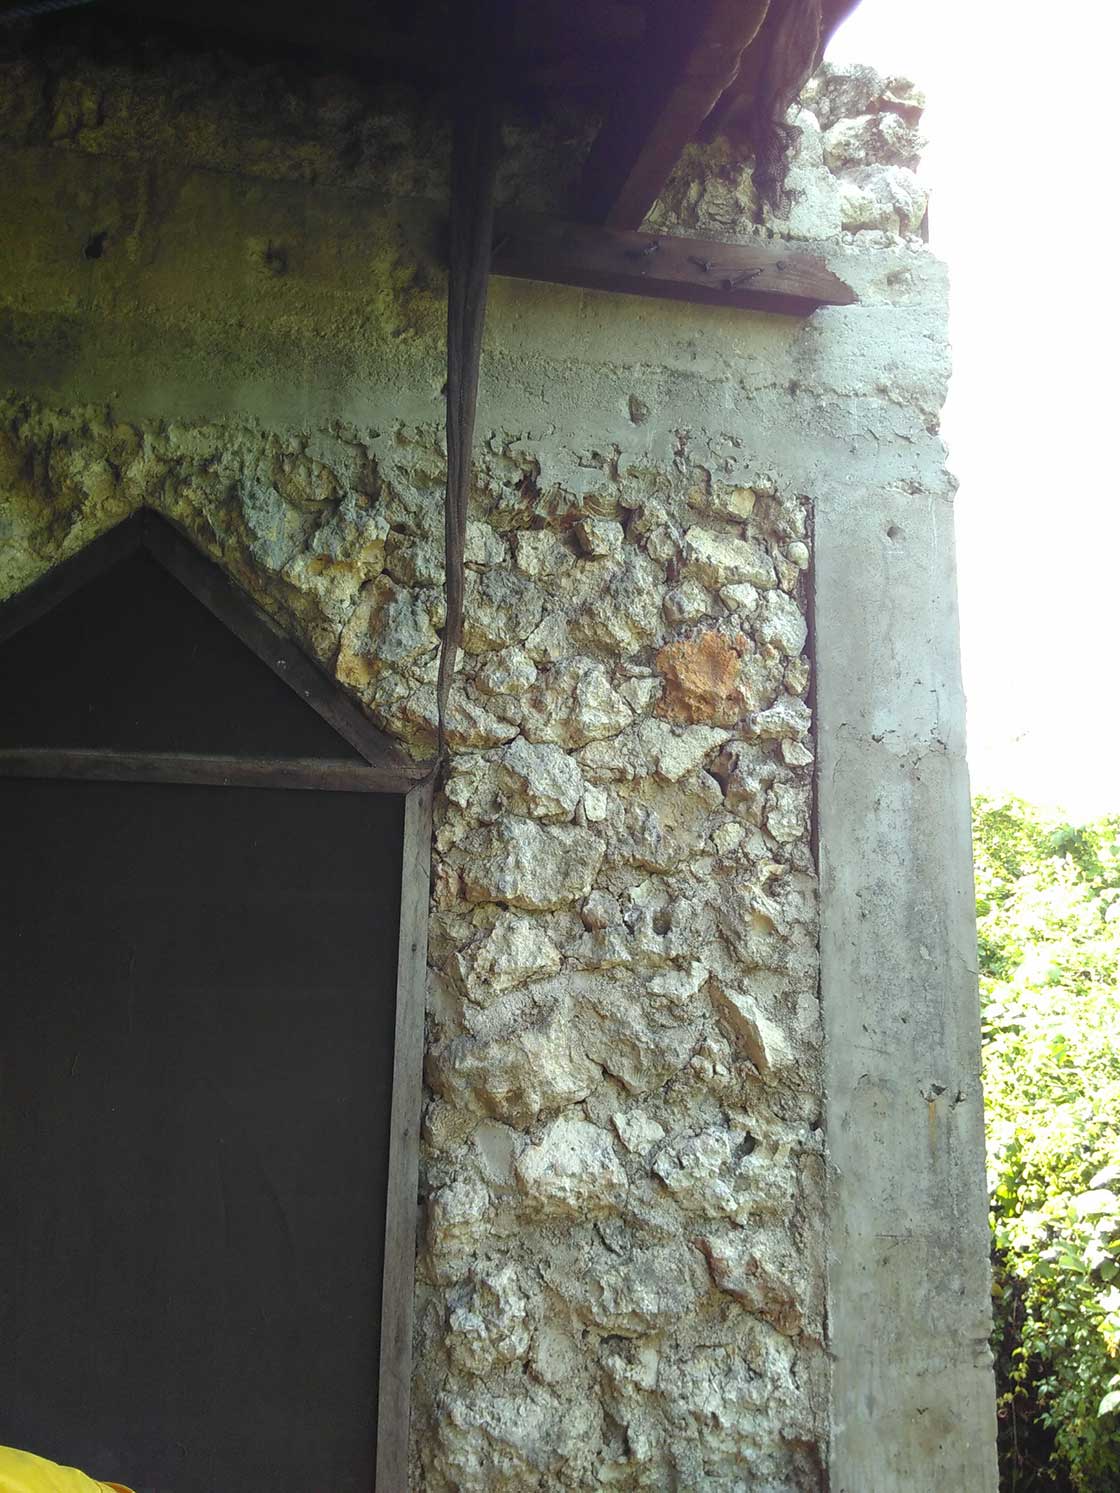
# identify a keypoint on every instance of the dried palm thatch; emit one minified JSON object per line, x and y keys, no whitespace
{"x":775,"y":68}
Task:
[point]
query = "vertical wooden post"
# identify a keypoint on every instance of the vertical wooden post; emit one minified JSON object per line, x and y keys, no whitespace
{"x":398,"y":1275}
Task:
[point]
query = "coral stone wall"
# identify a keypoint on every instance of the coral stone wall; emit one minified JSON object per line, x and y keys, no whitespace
{"x":622,"y":1265}
{"x":621,"y":1257}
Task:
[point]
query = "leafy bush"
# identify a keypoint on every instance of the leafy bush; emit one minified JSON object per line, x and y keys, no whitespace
{"x":1048,"y":910}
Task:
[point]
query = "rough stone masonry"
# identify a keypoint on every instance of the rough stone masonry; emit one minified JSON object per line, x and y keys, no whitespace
{"x":216,"y":301}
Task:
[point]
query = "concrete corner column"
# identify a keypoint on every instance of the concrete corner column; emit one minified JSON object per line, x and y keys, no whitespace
{"x":909,"y":1305}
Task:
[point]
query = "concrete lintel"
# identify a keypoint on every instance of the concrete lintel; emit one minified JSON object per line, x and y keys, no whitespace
{"x":909,"y":1306}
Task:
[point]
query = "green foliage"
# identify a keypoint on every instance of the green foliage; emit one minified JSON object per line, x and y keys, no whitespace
{"x":1048,"y":909}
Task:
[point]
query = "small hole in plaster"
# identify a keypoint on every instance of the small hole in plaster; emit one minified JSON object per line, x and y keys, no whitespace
{"x":95,"y":244}
{"x":895,"y":533}
{"x":276,"y":259}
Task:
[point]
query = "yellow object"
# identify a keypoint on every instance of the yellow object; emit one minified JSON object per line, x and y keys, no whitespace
{"x":20,"y":1472}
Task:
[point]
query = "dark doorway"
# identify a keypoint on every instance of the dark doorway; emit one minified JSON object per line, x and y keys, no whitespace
{"x":196,"y":1050}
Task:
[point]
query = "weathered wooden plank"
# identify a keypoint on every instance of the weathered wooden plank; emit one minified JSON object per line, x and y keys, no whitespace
{"x":401,"y":1209}
{"x":688,"y":64}
{"x":752,"y":277}
{"x":258,"y":632}
{"x":108,"y":766}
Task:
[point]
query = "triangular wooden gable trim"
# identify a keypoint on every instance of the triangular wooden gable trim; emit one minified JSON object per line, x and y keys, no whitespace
{"x":384,"y":769}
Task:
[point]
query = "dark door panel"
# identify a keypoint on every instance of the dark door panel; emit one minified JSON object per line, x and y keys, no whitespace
{"x":196,"y":1036}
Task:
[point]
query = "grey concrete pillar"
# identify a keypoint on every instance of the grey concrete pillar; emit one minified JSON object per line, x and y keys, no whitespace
{"x":909,"y":1302}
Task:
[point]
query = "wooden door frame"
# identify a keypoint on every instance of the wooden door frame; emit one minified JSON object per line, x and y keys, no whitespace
{"x":398,"y":1275}
{"x":384,"y":769}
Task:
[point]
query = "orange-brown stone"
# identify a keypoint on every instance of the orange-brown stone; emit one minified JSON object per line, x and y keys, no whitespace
{"x":701,"y":681}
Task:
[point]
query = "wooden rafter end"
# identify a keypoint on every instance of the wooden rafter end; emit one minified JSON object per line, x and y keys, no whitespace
{"x":746,"y":276}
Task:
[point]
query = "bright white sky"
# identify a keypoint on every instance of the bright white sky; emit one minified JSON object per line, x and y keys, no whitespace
{"x":1023,"y":167}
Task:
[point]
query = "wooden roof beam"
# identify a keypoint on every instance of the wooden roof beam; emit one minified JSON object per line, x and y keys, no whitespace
{"x":685,"y":71}
{"x":750,"y":277}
